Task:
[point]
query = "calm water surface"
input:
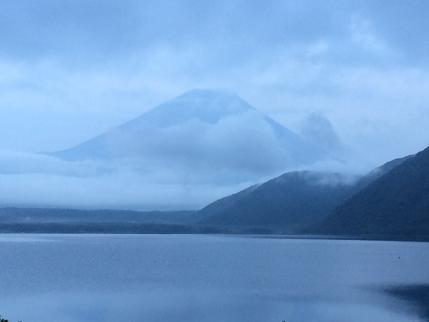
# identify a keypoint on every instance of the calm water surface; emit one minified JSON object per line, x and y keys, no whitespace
{"x":58,"y":278}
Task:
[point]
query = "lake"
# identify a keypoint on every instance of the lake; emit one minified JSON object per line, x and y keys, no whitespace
{"x":195,"y":278}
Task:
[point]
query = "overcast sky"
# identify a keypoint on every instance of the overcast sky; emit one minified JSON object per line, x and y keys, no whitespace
{"x":71,"y":69}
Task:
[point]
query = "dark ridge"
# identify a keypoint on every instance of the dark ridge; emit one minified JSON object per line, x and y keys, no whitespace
{"x":291,"y":202}
{"x":395,"y":203}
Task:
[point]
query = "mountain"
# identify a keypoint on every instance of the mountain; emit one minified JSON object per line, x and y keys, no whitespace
{"x":290,"y":202}
{"x":285,"y":203}
{"x":202,"y":130}
{"x":318,"y":129}
{"x":390,"y":201}
{"x":396,"y":204}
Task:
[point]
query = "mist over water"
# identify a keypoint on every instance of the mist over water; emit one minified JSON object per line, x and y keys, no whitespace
{"x":203,"y":278}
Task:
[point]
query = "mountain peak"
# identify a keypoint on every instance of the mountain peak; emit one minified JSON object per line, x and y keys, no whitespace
{"x":208,"y":93}
{"x":205,"y":105}
{"x":212,"y":130}
{"x":316,"y":128}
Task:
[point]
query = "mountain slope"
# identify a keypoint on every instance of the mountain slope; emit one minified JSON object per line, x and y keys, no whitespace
{"x":289,"y":202}
{"x":285,"y":203}
{"x":202,"y":130}
{"x":395,"y":204}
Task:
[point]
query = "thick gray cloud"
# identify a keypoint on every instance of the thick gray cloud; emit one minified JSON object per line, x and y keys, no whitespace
{"x":99,"y":32}
{"x":79,"y":29}
{"x":72,"y":69}
{"x":43,"y":181}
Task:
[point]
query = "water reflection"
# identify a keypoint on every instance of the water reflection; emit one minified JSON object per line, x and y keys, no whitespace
{"x":205,"y":279}
{"x":417,"y":295}
{"x":194,"y":307}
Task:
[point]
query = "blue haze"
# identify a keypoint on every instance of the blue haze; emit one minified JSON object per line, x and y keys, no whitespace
{"x":71,"y":70}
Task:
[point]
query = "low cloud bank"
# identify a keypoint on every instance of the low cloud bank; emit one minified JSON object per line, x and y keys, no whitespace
{"x":44,"y":181}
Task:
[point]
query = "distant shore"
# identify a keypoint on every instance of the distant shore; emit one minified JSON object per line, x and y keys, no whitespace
{"x":156,"y":228}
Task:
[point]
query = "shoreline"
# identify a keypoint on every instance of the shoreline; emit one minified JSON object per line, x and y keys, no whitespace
{"x":171,"y":229}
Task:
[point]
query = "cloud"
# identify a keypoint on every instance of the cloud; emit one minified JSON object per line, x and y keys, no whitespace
{"x":17,"y":163}
{"x":73,"y":69}
{"x":363,"y":35}
{"x":196,"y":146}
{"x":318,"y":129}
{"x":43,"y":181}
{"x":182,"y":166}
